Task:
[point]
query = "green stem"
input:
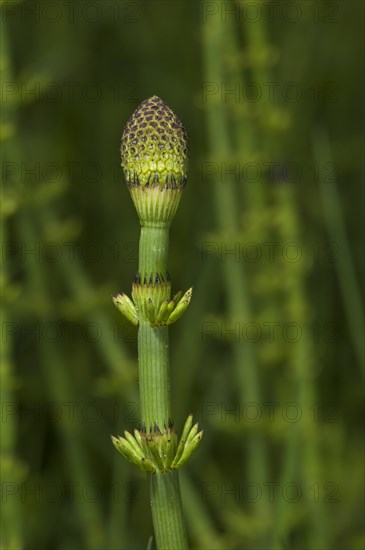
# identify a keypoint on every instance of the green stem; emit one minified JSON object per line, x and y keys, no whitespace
{"x":167,"y":511}
{"x":154,"y":375}
{"x":153,"y":359}
{"x":153,"y":249}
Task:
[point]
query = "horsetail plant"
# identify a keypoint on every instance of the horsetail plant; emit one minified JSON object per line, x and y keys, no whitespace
{"x":154,"y":153}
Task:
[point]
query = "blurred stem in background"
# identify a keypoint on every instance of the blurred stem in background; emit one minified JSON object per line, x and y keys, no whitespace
{"x":303,"y":367}
{"x":60,"y":388}
{"x":266,"y":210}
{"x":272,"y":120}
{"x":228,"y":213}
{"x":61,"y":391}
{"x":12,"y":469}
{"x":335,"y":226}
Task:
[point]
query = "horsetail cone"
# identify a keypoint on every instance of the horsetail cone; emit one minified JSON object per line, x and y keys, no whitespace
{"x":154,"y":153}
{"x":154,"y":146}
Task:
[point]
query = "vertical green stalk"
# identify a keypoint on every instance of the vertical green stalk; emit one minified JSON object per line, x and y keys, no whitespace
{"x":167,"y":511}
{"x":154,"y":160}
{"x":153,"y":249}
{"x":154,"y":381}
{"x":153,"y":358}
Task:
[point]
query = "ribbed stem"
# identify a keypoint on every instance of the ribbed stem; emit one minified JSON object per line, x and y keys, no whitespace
{"x":153,"y":249}
{"x":167,"y":511}
{"x":154,"y":382}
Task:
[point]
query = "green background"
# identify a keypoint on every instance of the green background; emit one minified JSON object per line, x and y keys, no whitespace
{"x":269,"y":355}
